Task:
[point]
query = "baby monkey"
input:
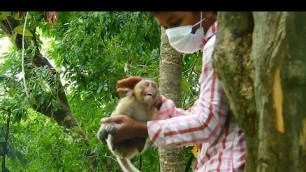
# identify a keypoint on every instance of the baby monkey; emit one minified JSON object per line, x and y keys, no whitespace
{"x":140,"y":105}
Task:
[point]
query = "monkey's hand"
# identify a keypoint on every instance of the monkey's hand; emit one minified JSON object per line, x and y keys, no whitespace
{"x":127,"y":84}
{"x":105,"y":130}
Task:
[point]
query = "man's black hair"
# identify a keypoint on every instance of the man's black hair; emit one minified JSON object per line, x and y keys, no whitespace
{"x":153,"y":13}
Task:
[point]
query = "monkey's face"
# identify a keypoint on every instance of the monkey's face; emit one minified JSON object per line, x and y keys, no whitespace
{"x":146,"y":91}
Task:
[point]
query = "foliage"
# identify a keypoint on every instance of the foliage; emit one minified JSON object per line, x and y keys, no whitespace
{"x":44,"y":146}
{"x":191,"y":72}
{"x":106,"y":51}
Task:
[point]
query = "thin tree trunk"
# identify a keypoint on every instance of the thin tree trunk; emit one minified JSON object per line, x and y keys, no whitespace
{"x":260,"y":58}
{"x":170,"y":85}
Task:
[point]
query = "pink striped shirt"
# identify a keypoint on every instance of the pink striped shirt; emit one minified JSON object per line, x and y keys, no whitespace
{"x":222,"y":143}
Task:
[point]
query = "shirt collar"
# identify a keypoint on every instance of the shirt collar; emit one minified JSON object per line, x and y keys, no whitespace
{"x":212,"y":30}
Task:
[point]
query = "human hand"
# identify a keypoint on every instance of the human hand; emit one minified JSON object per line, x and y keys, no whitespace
{"x":126,"y":127}
{"x":127,"y":84}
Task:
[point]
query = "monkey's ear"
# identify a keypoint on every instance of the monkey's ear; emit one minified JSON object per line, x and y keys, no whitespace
{"x":130,"y":93}
{"x":159,"y":101}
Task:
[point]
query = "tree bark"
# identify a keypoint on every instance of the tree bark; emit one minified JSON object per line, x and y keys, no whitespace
{"x":63,"y":115}
{"x":171,"y":159}
{"x":260,"y":58}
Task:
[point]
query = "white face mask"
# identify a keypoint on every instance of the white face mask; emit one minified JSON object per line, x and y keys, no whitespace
{"x":181,"y":38}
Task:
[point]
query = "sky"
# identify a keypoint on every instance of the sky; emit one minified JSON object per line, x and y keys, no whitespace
{"x":4,"y":44}
{"x":4,"y":47}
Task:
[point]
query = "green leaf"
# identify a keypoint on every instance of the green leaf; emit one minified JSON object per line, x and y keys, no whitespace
{"x":100,"y":88}
{"x":16,"y":16}
{"x":2,"y":36}
{"x":4,"y":15}
{"x":185,"y":85}
{"x":2,"y":78}
{"x":19,"y":30}
{"x":14,"y":37}
{"x":11,"y":92}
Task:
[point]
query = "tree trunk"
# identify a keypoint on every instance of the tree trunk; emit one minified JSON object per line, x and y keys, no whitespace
{"x":63,"y":115}
{"x":170,"y":86}
{"x":260,"y":58}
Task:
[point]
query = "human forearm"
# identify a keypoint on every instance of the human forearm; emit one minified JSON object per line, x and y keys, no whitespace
{"x":126,"y":127}
{"x":140,"y":129}
{"x":187,"y":127}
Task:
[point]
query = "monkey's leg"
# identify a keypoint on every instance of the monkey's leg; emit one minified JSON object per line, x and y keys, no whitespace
{"x":139,"y":143}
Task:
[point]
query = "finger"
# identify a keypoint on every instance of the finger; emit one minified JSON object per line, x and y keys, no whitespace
{"x":123,"y":90}
{"x":115,"y":119}
{"x":129,"y":82}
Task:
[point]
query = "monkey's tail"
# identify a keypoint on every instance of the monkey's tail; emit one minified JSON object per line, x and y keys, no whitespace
{"x":126,"y":165}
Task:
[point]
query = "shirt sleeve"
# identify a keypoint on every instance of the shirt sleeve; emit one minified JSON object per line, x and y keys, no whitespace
{"x":202,"y":122}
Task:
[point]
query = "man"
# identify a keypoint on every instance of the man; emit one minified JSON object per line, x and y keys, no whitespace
{"x":208,"y":122}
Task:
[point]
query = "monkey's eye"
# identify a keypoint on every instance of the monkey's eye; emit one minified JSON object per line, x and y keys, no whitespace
{"x":153,"y":85}
{"x":146,"y":84}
